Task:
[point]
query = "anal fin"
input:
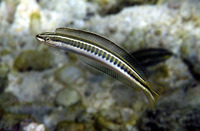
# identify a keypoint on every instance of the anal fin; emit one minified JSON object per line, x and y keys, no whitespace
{"x":104,"y":69}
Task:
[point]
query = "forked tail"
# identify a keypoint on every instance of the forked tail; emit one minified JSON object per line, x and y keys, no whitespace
{"x":152,"y":95}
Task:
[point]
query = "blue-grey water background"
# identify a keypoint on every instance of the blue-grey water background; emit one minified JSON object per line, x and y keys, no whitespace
{"x":42,"y":88}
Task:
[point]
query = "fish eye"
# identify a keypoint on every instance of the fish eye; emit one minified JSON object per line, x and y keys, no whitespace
{"x":47,"y":39}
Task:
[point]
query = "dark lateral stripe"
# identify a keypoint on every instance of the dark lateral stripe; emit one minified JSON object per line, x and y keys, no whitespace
{"x":96,"y":52}
{"x":122,"y":66}
{"x":85,"y":47}
{"x":128,"y":71}
{"x":73,"y":43}
{"x":78,"y":44}
{"x":81,"y":45}
{"x":112,"y":59}
{"x":108,"y":57}
{"x":89,"y":47}
{"x":119,"y":63}
{"x":100,"y":53}
{"x":115,"y":62}
{"x":93,"y":49}
{"x":104,"y":55}
{"x":70,"y":42}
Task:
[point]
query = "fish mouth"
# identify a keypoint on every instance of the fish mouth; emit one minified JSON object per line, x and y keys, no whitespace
{"x":40,"y":38}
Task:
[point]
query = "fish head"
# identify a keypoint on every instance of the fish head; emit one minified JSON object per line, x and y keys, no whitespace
{"x":47,"y":39}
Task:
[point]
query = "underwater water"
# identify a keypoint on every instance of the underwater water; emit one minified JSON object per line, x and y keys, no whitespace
{"x":43,"y":88}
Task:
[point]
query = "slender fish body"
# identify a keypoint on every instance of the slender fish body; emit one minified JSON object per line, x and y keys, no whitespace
{"x":151,"y":56}
{"x":102,"y":54}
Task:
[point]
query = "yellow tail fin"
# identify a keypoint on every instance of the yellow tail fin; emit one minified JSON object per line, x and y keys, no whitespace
{"x":152,"y":95}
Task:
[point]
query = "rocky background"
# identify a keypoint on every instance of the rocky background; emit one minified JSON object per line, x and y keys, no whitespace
{"x":42,"y":88}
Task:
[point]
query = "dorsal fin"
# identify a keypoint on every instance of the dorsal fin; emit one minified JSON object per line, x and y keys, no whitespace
{"x":104,"y":43}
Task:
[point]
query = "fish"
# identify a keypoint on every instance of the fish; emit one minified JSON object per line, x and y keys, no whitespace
{"x":191,"y":64}
{"x":104,"y":55}
{"x":148,"y":57}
